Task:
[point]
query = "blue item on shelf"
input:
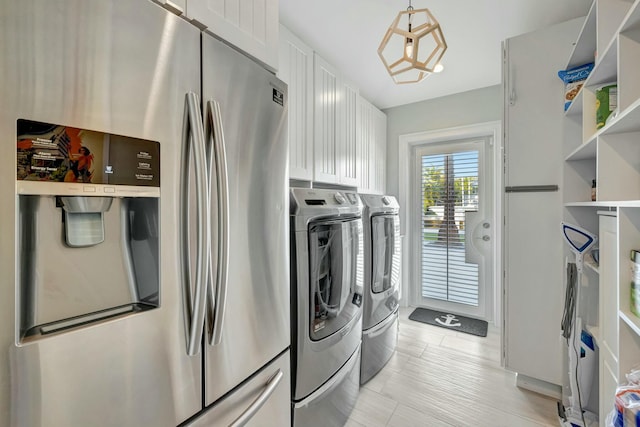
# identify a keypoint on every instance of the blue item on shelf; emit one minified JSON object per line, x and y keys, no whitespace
{"x":573,"y":79}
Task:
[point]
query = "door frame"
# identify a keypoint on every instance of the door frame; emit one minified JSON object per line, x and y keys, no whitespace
{"x":483,"y":147}
{"x":406,"y":165}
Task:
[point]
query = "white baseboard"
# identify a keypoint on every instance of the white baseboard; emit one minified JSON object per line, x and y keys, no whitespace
{"x":539,"y":386}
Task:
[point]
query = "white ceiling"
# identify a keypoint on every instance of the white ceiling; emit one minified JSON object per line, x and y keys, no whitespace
{"x":347,"y":33}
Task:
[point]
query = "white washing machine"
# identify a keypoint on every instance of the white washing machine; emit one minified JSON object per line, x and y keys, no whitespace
{"x":327,"y":273}
{"x":381,"y":223}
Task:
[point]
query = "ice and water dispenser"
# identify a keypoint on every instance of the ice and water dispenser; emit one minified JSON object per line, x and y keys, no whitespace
{"x":87,"y":227}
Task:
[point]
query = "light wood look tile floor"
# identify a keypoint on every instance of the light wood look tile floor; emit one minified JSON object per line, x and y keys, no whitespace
{"x":443,"y":378}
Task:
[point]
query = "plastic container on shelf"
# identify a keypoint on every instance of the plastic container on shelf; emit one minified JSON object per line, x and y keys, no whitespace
{"x":606,"y":103}
{"x":573,"y":79}
{"x":635,"y":282}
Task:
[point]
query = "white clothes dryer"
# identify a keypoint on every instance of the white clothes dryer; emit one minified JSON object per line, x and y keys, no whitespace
{"x":381,"y":223}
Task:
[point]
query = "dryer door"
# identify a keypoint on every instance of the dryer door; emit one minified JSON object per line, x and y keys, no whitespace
{"x":386,"y":252}
{"x":336,"y":275}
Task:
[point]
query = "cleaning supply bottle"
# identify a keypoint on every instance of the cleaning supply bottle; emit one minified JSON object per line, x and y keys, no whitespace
{"x":593,"y":190}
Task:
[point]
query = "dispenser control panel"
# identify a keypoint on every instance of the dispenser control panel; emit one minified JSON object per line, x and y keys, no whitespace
{"x":57,"y":153}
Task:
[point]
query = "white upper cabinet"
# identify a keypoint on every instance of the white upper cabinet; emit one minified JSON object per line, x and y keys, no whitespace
{"x":335,"y":136}
{"x":380,"y":144}
{"x":364,"y":139}
{"x":348,"y":147}
{"x":327,"y":121}
{"x":372,"y":147}
{"x":250,"y":25}
{"x":296,"y":69}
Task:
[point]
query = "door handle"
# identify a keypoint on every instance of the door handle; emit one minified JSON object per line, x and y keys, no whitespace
{"x":251,"y":411}
{"x":195,"y":302}
{"x":218,"y":302}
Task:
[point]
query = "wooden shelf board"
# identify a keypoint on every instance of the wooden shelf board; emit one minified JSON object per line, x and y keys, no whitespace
{"x":594,"y":331}
{"x":606,"y":203}
{"x":584,"y":151}
{"x":590,"y":263}
{"x":608,"y":213}
{"x":627,"y":121}
{"x":606,"y":68}
{"x":626,"y":203}
{"x":631,"y":320}
{"x":576,"y":107}
{"x":632,"y":20}
{"x":585,"y":45}
{"x":582,"y":204}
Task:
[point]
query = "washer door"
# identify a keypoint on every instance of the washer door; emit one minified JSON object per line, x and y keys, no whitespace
{"x":336,"y":274}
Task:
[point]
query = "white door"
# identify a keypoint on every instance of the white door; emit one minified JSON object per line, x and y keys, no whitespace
{"x":533,"y":248}
{"x":452,"y":232}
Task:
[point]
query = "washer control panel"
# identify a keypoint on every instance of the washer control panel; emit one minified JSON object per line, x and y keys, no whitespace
{"x":312,"y":197}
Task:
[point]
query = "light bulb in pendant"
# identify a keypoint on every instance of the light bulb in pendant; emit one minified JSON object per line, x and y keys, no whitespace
{"x":438,"y":68}
{"x":408,"y":48}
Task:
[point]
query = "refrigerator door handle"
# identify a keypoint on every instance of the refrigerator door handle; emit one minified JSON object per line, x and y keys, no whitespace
{"x":195,"y":302}
{"x":218,"y":306}
{"x":249,"y":413}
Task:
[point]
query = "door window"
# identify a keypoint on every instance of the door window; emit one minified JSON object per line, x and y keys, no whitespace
{"x":451,"y":231}
{"x":449,"y":191}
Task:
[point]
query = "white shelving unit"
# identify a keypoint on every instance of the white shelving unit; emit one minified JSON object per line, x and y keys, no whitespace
{"x":611,"y":156}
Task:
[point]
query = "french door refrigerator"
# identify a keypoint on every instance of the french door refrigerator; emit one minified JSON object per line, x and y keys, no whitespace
{"x":158,"y":301}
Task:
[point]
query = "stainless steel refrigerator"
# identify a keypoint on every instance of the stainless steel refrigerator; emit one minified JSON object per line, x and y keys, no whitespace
{"x":145,"y":283}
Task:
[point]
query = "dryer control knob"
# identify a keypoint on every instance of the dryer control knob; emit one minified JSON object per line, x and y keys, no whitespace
{"x":385,"y":200}
{"x":340,"y":198}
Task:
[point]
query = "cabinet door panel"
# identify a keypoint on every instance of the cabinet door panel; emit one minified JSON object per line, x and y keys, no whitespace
{"x":250,"y":25}
{"x":364,"y":138}
{"x":296,"y":69}
{"x":348,"y":147}
{"x":327,"y":105}
{"x":608,"y":312}
{"x":372,"y":148}
{"x":379,"y":171}
{"x":533,"y":156}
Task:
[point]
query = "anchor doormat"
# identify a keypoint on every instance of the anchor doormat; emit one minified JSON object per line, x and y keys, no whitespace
{"x":450,"y":321}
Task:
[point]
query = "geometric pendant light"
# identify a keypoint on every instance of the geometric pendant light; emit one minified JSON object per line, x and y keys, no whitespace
{"x":413,"y":45}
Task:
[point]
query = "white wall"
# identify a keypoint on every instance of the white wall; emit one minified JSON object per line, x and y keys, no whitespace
{"x":462,"y":109}
{"x":475,"y":106}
